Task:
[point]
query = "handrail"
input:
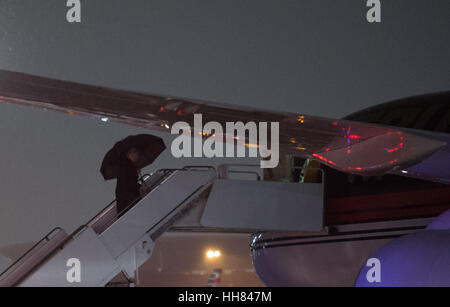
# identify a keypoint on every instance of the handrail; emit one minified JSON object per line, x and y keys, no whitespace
{"x":241,"y":165}
{"x":156,"y":234}
{"x":99,"y":215}
{"x":105,"y":209}
{"x":199,"y":167}
{"x":165,"y":170}
{"x":227,"y":168}
{"x":322,"y":172}
{"x":144,"y":178}
{"x":46,"y":238}
{"x":108,"y":208}
{"x":258,"y":177}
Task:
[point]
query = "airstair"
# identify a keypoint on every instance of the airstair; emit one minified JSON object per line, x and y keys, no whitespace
{"x":190,"y":199}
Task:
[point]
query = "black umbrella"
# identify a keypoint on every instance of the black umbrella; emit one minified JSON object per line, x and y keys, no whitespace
{"x":150,"y":147}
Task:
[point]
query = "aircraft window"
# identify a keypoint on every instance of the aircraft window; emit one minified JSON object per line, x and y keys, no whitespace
{"x":444,"y":124}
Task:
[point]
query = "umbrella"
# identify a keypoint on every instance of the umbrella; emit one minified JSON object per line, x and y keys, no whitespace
{"x":150,"y":147}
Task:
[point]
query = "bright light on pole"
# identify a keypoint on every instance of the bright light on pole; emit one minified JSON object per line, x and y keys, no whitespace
{"x":213,"y":254}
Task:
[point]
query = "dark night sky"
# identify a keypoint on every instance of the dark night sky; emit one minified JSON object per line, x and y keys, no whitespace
{"x":318,"y":57}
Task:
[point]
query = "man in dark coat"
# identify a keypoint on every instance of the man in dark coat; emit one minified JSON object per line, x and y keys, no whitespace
{"x":128,"y":188}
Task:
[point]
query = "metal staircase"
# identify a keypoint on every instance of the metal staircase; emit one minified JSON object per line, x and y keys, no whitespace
{"x":194,"y":198}
{"x":107,"y":244}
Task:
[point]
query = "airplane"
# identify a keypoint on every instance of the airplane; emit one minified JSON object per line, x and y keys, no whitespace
{"x":384,"y":172}
{"x":424,"y":264}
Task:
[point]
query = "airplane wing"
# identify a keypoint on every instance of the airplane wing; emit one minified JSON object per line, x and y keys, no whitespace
{"x":348,"y":146}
